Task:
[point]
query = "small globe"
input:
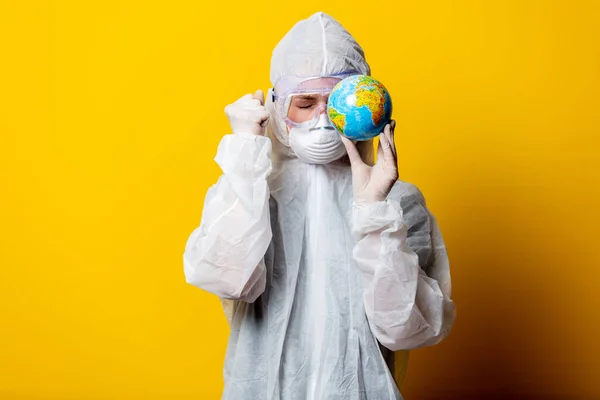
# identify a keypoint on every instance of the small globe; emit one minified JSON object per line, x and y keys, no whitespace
{"x":359,"y":107}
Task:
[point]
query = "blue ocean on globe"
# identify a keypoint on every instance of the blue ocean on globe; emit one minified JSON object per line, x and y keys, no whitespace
{"x":359,"y":107}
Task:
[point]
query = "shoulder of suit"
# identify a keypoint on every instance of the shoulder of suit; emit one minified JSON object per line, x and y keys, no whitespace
{"x":406,"y":191}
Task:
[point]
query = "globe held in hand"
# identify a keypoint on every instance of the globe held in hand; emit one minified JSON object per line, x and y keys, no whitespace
{"x":359,"y":107}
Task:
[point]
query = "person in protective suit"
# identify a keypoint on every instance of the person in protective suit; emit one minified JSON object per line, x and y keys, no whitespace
{"x":325,"y":262}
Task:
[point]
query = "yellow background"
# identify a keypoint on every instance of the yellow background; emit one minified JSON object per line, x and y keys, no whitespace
{"x":110,"y":115}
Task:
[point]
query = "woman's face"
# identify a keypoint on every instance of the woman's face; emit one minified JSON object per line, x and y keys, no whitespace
{"x":303,"y":106}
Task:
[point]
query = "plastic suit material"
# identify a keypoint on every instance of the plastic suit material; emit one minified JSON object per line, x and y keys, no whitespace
{"x":319,"y":290}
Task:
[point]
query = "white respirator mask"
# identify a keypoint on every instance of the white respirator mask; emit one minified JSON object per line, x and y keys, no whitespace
{"x":316,"y":143}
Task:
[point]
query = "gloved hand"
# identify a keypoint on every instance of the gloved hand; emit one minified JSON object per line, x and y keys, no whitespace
{"x":248,"y":114}
{"x":372,"y":184}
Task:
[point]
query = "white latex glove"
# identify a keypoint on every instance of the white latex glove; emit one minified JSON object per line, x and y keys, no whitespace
{"x":248,"y":114}
{"x":372,"y":184}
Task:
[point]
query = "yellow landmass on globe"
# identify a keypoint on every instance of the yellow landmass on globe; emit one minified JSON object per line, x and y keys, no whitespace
{"x":371,"y":93}
{"x":339,"y":120}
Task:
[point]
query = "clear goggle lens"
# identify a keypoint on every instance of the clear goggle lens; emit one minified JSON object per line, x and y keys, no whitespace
{"x":306,"y":108}
{"x":304,"y":100}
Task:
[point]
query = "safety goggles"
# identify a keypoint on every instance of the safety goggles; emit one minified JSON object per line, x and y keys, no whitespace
{"x":299,"y":100}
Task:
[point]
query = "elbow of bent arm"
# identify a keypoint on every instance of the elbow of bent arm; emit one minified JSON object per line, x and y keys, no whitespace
{"x":246,"y":288}
{"x":417,"y":331}
{"x":227,"y":283}
{"x":225,"y":266}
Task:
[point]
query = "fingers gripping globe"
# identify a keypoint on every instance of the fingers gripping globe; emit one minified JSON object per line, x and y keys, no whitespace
{"x":359,"y":107}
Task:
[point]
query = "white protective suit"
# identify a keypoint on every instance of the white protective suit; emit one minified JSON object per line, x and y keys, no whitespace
{"x":323,"y":290}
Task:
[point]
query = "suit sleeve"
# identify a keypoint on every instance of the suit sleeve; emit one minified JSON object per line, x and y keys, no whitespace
{"x":403,"y":261}
{"x":225,"y":254}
